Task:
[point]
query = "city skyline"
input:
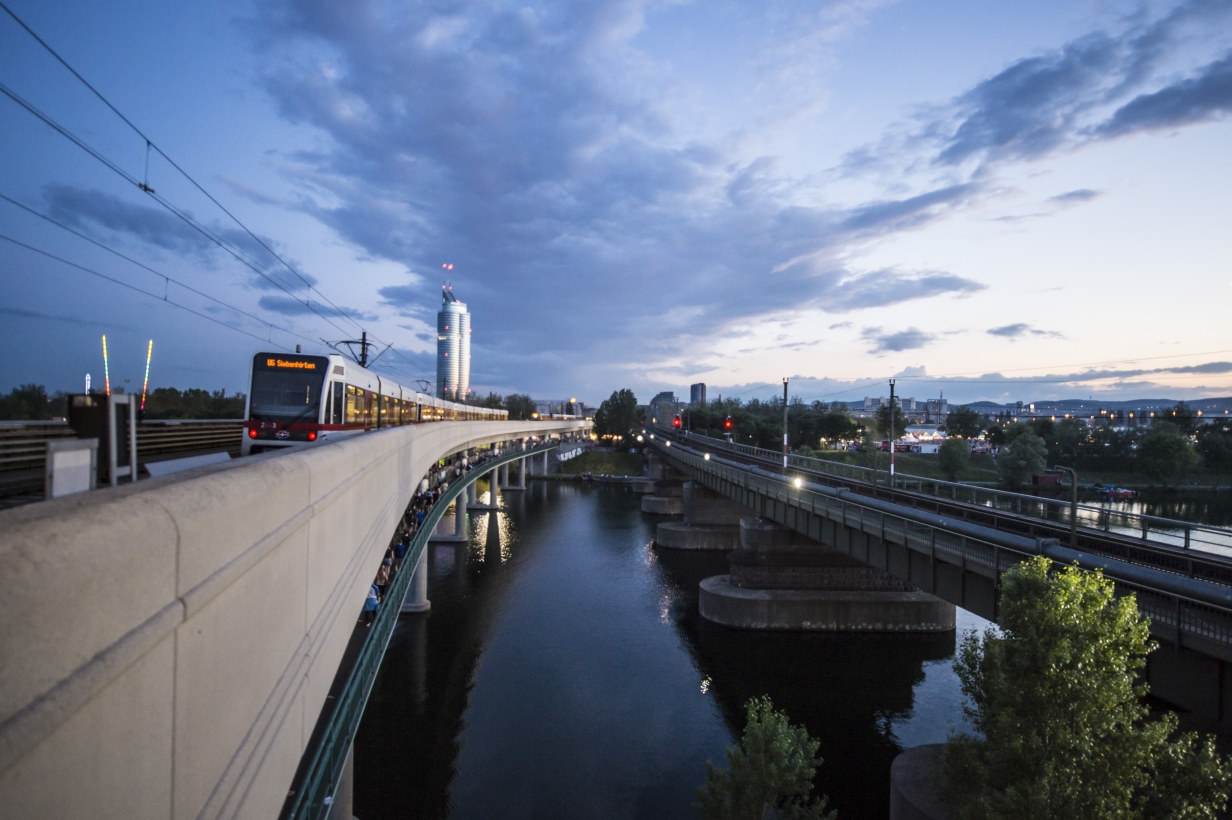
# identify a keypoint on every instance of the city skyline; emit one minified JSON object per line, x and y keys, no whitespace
{"x":1019,"y":202}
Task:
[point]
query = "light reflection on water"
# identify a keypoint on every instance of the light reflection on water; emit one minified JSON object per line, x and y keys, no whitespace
{"x":564,"y":672}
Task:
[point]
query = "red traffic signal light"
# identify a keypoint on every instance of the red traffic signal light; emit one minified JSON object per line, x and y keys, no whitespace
{"x":676,"y":422}
{"x":727,"y":424}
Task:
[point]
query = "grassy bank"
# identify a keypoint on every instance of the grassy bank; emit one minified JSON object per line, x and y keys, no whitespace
{"x":603,"y":463}
{"x":981,"y":467}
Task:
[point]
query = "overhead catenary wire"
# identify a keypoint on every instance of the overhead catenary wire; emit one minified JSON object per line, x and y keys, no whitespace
{"x":150,"y":144}
{"x":132,"y":287}
{"x":226,"y":246}
{"x":221,"y":242}
{"x":166,"y":279}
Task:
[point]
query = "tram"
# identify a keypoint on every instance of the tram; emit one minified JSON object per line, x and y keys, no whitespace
{"x":295,"y":400}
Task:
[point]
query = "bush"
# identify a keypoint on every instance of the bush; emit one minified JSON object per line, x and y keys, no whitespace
{"x":953,"y":457}
{"x":1055,"y":695}
{"x":771,"y":772}
{"x":1027,"y":455}
{"x":1165,"y":453}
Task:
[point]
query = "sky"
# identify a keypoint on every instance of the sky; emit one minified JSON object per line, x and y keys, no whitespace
{"x":990,"y":201}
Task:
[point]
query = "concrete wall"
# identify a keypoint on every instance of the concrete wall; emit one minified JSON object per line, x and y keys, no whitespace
{"x":167,"y":646}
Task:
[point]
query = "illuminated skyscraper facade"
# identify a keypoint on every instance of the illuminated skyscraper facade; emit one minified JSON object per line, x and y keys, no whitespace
{"x":453,"y":348}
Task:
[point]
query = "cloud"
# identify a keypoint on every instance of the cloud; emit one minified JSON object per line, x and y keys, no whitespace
{"x":840,"y":326}
{"x":889,"y":287}
{"x":1101,"y":85}
{"x":910,"y":339}
{"x":534,"y":148}
{"x":83,"y":208}
{"x":288,"y":306}
{"x":23,"y":313}
{"x":1201,"y":98}
{"x":1018,"y":329}
{"x":1075,"y":197}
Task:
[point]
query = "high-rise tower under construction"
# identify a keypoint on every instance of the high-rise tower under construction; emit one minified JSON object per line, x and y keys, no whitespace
{"x":453,"y":348}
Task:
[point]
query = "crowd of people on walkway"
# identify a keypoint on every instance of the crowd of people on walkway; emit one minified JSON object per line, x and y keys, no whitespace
{"x":412,"y":521}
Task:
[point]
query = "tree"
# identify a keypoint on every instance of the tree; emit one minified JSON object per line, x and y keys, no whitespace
{"x":964,"y":422}
{"x":883,"y":419}
{"x":1054,"y":693}
{"x":1165,"y":453}
{"x":1183,"y":416}
{"x":770,"y":772}
{"x":1026,"y":456}
{"x":837,"y":426}
{"x":1215,"y":444}
{"x":617,"y":416}
{"x":520,"y":406}
{"x":30,"y":402}
{"x":995,"y":435}
{"x":193,"y":403}
{"x":953,"y":457}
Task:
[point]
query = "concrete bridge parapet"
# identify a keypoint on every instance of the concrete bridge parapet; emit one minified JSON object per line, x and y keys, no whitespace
{"x":168,"y":645}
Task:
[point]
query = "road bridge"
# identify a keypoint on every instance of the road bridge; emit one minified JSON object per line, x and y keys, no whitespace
{"x":962,"y":561}
{"x":169,"y":645}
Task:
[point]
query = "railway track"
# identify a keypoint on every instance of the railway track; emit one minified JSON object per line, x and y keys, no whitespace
{"x":23,"y":449}
{"x":1192,"y":562}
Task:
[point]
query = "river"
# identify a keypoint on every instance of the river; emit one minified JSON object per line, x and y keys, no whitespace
{"x":563,"y":672}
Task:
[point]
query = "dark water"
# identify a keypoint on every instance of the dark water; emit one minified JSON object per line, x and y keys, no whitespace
{"x":564,"y":672}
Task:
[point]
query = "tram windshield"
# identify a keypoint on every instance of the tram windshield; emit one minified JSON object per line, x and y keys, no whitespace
{"x":286,"y":389}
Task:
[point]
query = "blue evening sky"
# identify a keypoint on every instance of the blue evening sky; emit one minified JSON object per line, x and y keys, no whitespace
{"x":1002,"y":200}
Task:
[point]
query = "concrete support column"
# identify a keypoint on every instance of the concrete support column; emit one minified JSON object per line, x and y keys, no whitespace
{"x":522,"y":465}
{"x":471,"y":500}
{"x":417,"y":595}
{"x":545,"y":463}
{"x":494,"y":481}
{"x":504,"y":476}
{"x":343,"y":801}
{"x":459,"y":517}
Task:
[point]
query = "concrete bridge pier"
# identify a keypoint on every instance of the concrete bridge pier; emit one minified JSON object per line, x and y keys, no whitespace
{"x":711,"y":522}
{"x":460,"y":532}
{"x":417,"y":595}
{"x":781,"y":580}
{"x":667,"y":497}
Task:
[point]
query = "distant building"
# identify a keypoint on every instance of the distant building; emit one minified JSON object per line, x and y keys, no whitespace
{"x":697,"y":393}
{"x":935,"y":410}
{"x":453,"y":348}
{"x":907,"y":405}
{"x":663,"y":408}
{"x":563,"y":407}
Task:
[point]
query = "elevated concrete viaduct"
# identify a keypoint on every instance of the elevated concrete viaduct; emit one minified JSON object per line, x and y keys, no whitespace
{"x":168,"y":646}
{"x":962,"y":563}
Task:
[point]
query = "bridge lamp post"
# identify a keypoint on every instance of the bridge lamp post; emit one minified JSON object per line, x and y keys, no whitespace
{"x":1073,"y":504}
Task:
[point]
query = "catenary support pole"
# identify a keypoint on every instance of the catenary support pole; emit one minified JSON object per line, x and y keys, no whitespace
{"x":891,"y":432}
{"x":784,"y":424}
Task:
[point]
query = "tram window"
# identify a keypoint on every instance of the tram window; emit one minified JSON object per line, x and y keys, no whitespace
{"x":354,"y":405}
{"x":336,"y":416}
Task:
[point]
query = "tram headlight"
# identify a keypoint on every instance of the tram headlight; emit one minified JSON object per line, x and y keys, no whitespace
{"x":252,"y":432}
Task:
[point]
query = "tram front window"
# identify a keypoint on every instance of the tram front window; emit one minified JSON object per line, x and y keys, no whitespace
{"x":283,"y":394}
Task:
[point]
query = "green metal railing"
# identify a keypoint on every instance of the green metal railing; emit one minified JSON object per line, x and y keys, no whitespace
{"x":1171,"y":532}
{"x":315,"y":790}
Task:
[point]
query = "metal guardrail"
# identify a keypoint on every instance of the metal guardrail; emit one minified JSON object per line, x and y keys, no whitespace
{"x":1191,"y":612}
{"x":329,"y":757}
{"x":1161,"y":530}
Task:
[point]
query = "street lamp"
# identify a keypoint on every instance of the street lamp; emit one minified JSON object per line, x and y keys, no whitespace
{"x":1073,"y":505}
